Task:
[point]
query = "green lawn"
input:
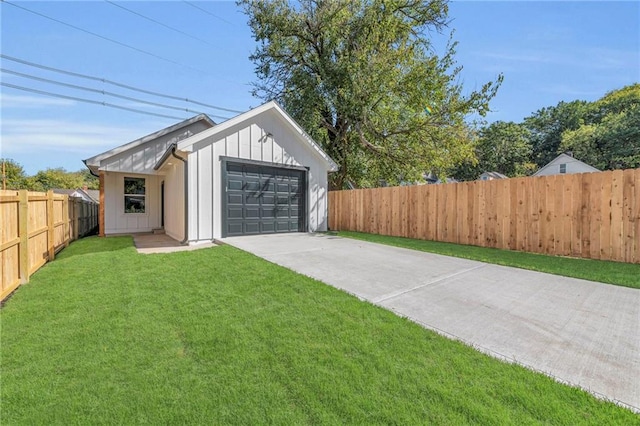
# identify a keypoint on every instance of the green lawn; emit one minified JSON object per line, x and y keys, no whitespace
{"x":622,"y":274}
{"x":103,"y":335}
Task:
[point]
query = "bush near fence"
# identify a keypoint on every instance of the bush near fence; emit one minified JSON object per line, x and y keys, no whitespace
{"x":589,"y":215}
{"x":34,"y":226}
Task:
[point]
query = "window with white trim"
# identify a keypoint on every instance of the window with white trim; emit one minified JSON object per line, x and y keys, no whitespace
{"x":134,"y":195}
{"x":563,"y":168}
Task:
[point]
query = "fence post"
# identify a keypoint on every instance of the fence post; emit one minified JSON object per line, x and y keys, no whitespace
{"x":51,"y":244}
{"x":76,"y":232}
{"x":65,"y":217}
{"x":23,"y":233}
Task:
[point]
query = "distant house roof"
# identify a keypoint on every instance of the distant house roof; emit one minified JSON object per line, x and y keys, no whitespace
{"x":492,"y":175}
{"x":91,"y":195}
{"x":94,"y":194}
{"x":63,"y":191}
{"x":571,"y":164}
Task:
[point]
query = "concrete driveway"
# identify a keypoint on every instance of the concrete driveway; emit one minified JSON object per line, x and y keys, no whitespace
{"x":580,"y":332}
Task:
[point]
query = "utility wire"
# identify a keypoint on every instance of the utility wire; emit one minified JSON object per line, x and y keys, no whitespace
{"x":125,"y":86}
{"x":104,"y":92}
{"x":89,"y":101}
{"x":128,"y":46}
{"x":206,"y":11}
{"x":160,"y":23}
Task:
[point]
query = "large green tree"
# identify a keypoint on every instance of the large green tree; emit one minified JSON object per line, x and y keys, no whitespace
{"x":547,"y":125}
{"x":612,"y":139}
{"x":362,"y":78}
{"x":502,"y":147}
{"x":48,"y":179}
{"x":13,"y":175}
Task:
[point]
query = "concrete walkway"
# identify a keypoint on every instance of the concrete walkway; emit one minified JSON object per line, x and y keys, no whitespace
{"x":162,"y":243}
{"x":580,"y":332}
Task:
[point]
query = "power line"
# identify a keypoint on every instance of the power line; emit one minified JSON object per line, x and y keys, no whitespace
{"x":160,"y":23}
{"x":128,"y":46}
{"x":89,"y":101}
{"x":206,"y":11}
{"x":125,"y":86}
{"x":104,"y":92}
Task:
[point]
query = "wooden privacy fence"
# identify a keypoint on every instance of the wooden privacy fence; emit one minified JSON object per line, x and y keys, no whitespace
{"x":34,"y":226}
{"x":590,"y":215}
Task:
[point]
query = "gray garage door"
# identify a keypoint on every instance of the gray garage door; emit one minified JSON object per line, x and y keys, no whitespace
{"x":263,"y":200}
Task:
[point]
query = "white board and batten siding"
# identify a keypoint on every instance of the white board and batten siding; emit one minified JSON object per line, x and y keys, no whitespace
{"x":174,"y":199}
{"x":138,"y":161}
{"x":268,"y":138}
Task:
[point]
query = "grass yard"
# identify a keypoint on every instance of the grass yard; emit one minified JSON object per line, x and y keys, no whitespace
{"x":103,"y":335}
{"x":622,"y":274}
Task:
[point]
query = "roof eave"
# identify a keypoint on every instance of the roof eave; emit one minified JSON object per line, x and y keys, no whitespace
{"x":95,"y":160}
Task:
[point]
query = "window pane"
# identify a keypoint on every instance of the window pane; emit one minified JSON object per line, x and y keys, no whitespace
{"x":133,"y":204}
{"x":134,"y":186}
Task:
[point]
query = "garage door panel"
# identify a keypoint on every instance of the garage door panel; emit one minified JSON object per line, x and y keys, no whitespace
{"x":284,"y":226}
{"x":251,"y":228}
{"x":252,"y":186}
{"x":263,"y":199}
{"x":252,"y":213}
{"x":234,"y":228}
{"x":234,"y":198}
{"x":268,"y":213}
{"x":252,"y":199}
{"x":235,"y":213}
{"x":235,"y":184}
{"x":234,"y":169}
{"x":268,"y":200}
{"x":282,"y":200}
{"x":267,"y":186}
{"x":283,"y":213}
{"x":267,"y":227}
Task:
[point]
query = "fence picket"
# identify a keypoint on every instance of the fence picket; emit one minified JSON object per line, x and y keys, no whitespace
{"x":33,"y":227}
{"x":591,"y":215}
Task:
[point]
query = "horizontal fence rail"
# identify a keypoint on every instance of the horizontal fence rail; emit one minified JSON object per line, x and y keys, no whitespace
{"x":589,"y":215}
{"x":34,"y":226}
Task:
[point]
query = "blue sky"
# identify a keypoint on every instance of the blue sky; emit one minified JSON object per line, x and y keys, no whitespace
{"x":548,"y":52}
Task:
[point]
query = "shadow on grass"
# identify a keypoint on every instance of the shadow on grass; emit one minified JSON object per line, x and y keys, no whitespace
{"x":95,"y":244}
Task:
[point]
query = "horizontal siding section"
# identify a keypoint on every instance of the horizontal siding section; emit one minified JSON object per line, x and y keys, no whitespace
{"x":143,"y":158}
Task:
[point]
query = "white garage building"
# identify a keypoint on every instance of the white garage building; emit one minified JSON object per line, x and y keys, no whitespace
{"x":256,"y":173}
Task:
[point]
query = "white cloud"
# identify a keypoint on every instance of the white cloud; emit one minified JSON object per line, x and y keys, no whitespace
{"x":20,"y":136}
{"x":518,"y":57}
{"x":563,"y":89}
{"x":19,"y":101}
{"x":584,"y":59}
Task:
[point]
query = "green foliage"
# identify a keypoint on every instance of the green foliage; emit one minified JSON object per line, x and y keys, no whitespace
{"x":547,"y":125}
{"x":612,"y":139}
{"x":218,"y":336}
{"x":14,"y":176}
{"x":359,"y":77}
{"x":502,"y":147}
{"x":47,"y":179}
{"x":604,"y":134}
